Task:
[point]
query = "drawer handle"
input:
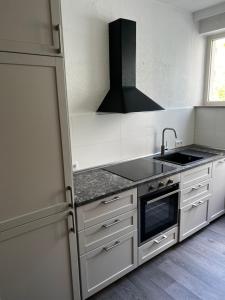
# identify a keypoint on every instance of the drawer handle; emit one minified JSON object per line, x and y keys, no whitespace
{"x":107,"y":249}
{"x":111,"y":200}
{"x":164,"y":237}
{"x":197,"y":188}
{"x":194,"y":189}
{"x":221,"y":161}
{"x":111,"y":224}
{"x":198,"y":203}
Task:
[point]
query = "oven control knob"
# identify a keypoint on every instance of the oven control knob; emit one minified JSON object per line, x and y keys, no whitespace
{"x":170,"y":181}
{"x":161,"y":184}
{"x":150,"y":188}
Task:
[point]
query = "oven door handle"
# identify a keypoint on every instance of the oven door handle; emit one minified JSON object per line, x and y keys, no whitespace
{"x":161,"y":197}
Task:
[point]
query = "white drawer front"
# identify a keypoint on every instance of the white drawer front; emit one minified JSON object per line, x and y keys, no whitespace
{"x":195,"y":192}
{"x":104,"y":209}
{"x":193,"y":217}
{"x":157,"y":245}
{"x":106,"y":264}
{"x":196,"y":175}
{"x":103,"y":233}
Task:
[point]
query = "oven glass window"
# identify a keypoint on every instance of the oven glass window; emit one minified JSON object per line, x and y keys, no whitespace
{"x":157,"y":216}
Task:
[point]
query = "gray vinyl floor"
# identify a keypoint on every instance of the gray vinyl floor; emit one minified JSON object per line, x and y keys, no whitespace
{"x":193,"y":269}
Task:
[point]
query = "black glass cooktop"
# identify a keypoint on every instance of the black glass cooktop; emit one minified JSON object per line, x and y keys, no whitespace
{"x":139,"y":169}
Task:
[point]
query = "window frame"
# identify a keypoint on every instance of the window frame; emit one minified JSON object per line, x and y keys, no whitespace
{"x":208,"y":64}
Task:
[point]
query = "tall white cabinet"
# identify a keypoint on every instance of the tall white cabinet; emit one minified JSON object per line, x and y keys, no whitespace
{"x":38,"y":254}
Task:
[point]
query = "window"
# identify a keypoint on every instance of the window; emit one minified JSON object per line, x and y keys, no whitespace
{"x":215,"y":77}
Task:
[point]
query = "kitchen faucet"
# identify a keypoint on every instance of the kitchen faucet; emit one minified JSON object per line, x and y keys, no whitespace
{"x":163,"y":148}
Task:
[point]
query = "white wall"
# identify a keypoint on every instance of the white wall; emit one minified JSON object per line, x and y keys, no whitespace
{"x":170,"y":56}
{"x":210,"y":124}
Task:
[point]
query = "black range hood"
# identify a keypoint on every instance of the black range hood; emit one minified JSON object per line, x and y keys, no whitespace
{"x":123,"y":96}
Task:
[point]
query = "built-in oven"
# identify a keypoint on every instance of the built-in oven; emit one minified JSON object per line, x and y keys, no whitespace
{"x":158,"y":207}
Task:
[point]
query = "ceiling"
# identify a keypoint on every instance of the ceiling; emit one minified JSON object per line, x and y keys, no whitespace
{"x":193,"y":5}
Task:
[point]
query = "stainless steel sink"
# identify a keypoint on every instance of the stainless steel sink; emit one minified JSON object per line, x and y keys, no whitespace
{"x":179,"y":158}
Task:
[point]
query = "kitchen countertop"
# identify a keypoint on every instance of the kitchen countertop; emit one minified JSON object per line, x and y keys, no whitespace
{"x":96,"y":183}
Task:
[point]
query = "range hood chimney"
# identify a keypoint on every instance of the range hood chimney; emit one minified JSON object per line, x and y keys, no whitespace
{"x":123,"y":96}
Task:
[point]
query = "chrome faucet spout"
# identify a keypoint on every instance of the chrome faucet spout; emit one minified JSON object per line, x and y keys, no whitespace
{"x":163,"y":138}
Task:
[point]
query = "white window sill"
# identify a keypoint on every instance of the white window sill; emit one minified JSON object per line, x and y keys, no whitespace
{"x":210,"y":106}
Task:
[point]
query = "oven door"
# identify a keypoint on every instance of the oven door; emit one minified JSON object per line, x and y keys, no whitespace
{"x":158,"y":212}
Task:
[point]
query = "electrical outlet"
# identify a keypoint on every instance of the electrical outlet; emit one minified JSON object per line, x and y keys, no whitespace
{"x":179,"y":143}
{"x":75,"y":166}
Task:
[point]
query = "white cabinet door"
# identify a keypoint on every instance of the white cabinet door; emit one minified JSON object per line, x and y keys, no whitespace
{"x":31,"y":26}
{"x":107,"y":263}
{"x":35,"y":164}
{"x":38,"y":261}
{"x":217,"y":202}
{"x":193,"y":217}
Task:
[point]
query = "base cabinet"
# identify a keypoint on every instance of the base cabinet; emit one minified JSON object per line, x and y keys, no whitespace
{"x":217,"y":202}
{"x":193,"y":217}
{"x":196,"y":192}
{"x":107,"y":229}
{"x":107,"y":263}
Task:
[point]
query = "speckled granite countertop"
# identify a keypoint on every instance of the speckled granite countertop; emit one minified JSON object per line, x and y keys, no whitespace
{"x":97,"y":183}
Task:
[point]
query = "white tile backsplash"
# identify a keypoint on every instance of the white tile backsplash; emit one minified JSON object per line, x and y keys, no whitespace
{"x":104,"y":138}
{"x":133,"y":147}
{"x":96,"y":154}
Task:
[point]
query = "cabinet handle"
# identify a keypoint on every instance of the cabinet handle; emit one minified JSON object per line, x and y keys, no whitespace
{"x":197,"y":188}
{"x":73,"y":222}
{"x":194,"y":189}
{"x":111,"y":200}
{"x":164,"y":237}
{"x":111,"y":224}
{"x":59,"y":29}
{"x":198,"y":203}
{"x":69,"y":188}
{"x":117,"y":243}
